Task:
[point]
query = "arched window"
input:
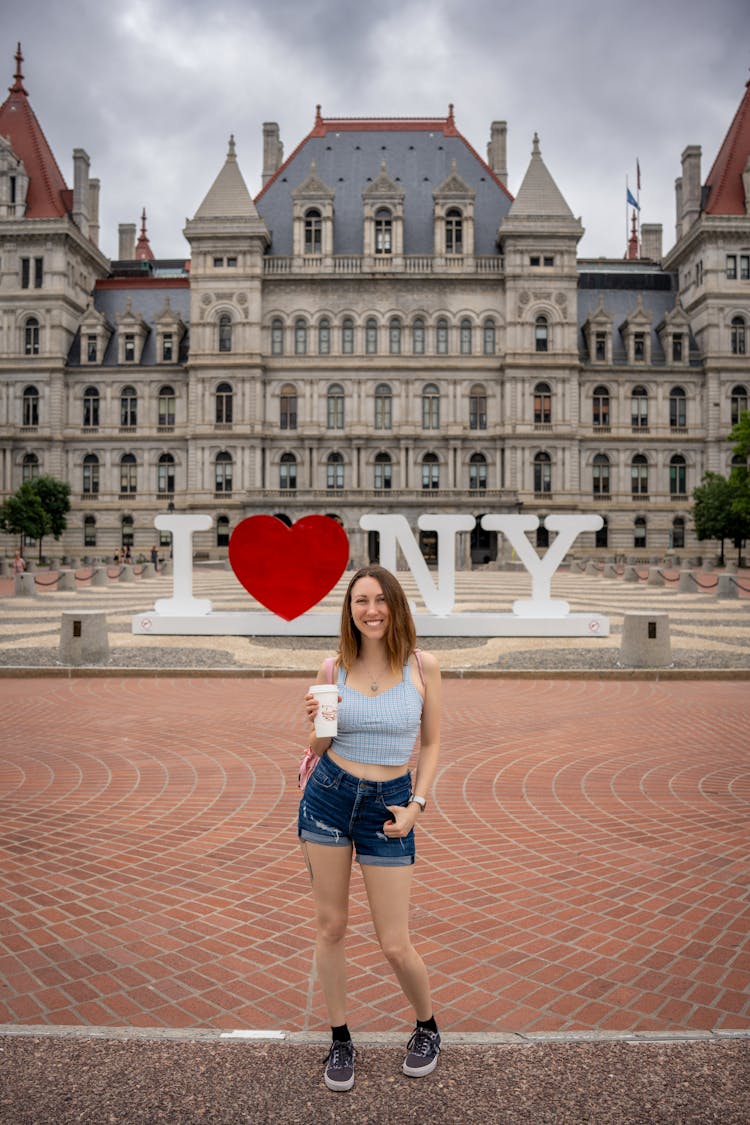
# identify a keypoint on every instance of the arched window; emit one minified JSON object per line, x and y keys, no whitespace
{"x":430,"y":471}
{"x":324,"y":336}
{"x":91,"y":406}
{"x":477,"y":472}
{"x":335,"y":471}
{"x":677,"y":475}
{"x":89,"y":531}
{"x":383,"y":471}
{"x":639,"y":475}
{"x":223,"y":466}
{"x":165,"y":474}
{"x":454,"y":231}
{"x":677,"y":408}
{"x":335,"y":407}
{"x":738,"y":336}
{"x":639,"y":408}
{"x":542,"y":404}
{"x":126,"y":531}
{"x":677,"y":534}
{"x":639,"y":533}
{"x":465,"y":336}
{"x":417,"y":336}
{"x":128,"y":407}
{"x":394,"y":336}
{"x":90,"y":474}
{"x":383,"y":407}
{"x":128,"y":475}
{"x":542,"y":473}
{"x":477,"y":407}
{"x":288,"y":407}
{"x":738,"y":403}
{"x":222,"y":531}
{"x":430,"y":407}
{"x":600,"y":406}
{"x":288,"y":471}
{"x":371,"y":336}
{"x":441,"y":336}
{"x":541,"y":334}
{"x":30,"y":412}
{"x":277,"y":336}
{"x":489,"y":336}
{"x":166,"y":406}
{"x":29,"y":467}
{"x":383,"y":231}
{"x":31,"y":336}
{"x":225,"y":333}
{"x":300,"y":336}
{"x":224,"y":404}
{"x":600,"y":475}
{"x":347,"y":336}
{"x":313,"y":231}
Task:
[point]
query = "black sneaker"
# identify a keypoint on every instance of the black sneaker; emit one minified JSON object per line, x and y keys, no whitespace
{"x":423,"y":1050}
{"x":339,"y":1072}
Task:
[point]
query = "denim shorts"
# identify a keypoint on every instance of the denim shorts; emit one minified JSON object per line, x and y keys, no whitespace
{"x":340,"y":810}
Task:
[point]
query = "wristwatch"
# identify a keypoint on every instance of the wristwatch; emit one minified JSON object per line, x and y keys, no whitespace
{"x":421,"y":801}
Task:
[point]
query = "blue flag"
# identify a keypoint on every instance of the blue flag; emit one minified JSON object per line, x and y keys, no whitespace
{"x":632,"y":201}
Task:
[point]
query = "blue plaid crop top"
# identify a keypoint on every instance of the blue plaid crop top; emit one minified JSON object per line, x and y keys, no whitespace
{"x":378,"y":729}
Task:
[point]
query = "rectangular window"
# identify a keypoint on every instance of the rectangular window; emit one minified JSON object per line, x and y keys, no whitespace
{"x":600,"y":346}
{"x":25,"y":273}
{"x":218,"y":262}
{"x":38,"y":272}
{"x":731,"y":267}
{"x":535,"y":260}
{"x":549,"y":262}
{"x":91,"y":349}
{"x":231,"y":263}
{"x":677,"y":348}
{"x":477,"y":412}
{"x":166,"y":347}
{"x":639,"y":347}
{"x":130,"y":348}
{"x":745,"y":267}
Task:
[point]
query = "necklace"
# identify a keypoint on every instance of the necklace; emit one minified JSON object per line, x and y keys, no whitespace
{"x":373,"y":679}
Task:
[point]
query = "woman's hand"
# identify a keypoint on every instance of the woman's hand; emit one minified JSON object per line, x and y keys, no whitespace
{"x":403,"y":821}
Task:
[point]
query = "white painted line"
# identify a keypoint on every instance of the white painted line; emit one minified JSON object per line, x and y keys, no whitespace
{"x":242,"y":1034}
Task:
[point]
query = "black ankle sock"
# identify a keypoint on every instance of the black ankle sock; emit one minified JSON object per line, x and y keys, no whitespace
{"x":340,"y":1034}
{"x":428,"y":1025}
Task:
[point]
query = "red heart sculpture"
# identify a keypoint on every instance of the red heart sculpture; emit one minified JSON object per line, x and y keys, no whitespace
{"x":288,"y":569}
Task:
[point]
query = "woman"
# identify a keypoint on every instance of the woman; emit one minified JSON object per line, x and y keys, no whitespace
{"x":360,"y":800}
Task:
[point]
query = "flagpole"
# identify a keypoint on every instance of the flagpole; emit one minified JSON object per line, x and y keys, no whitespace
{"x":638,"y":197}
{"x":627,"y":233}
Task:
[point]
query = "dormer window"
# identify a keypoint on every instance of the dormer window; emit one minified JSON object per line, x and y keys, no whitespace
{"x":454,"y":216}
{"x":383,"y":232}
{"x":132,"y":332}
{"x":91,"y":349}
{"x":167,"y":347}
{"x":636,"y":332}
{"x":454,"y":231}
{"x":313,"y":217}
{"x":313,"y":232}
{"x":129,"y":348}
{"x":639,"y":347}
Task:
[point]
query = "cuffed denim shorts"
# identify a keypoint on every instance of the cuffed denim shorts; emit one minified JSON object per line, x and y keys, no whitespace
{"x":340,"y":810}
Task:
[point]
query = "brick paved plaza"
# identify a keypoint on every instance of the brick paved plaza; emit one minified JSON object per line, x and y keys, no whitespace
{"x":583,"y":863}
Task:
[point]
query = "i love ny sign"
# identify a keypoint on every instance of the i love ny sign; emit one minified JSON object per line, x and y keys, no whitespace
{"x":290,"y":569}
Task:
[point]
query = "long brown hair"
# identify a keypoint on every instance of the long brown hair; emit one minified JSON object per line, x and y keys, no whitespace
{"x":401,"y":637}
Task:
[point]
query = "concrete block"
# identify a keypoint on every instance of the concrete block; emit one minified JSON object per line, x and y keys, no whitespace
{"x":592,"y":569}
{"x":166,"y":567}
{"x":84,"y":638}
{"x":148,"y":570}
{"x":687,"y":583}
{"x":727,"y":587}
{"x":126,"y":573}
{"x":610,"y":570}
{"x":66,"y":581}
{"x":25,"y":586}
{"x":654,"y":577}
{"x":645,"y":640}
{"x":99,"y":577}
{"x":630,"y":574}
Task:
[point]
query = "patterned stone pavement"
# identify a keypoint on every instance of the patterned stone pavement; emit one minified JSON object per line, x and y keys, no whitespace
{"x":583,"y":862}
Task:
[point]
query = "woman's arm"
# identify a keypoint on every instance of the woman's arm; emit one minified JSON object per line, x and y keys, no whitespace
{"x":317,"y":745}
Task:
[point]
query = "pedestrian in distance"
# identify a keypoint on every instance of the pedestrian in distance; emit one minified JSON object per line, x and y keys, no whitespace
{"x":19,"y":563}
{"x":360,"y":801}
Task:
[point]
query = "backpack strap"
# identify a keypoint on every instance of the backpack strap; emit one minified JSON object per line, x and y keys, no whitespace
{"x":418,"y":656}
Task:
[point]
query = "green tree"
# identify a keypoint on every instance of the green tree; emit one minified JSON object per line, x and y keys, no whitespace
{"x":39,"y":508}
{"x":712,"y":509}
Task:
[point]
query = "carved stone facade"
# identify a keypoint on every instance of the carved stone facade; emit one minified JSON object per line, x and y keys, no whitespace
{"x":382,"y":328}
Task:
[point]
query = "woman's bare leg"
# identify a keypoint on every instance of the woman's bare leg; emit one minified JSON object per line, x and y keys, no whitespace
{"x":330,"y":871}
{"x":388,"y":891}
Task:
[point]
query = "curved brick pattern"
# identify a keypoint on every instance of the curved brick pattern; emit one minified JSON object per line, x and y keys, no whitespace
{"x":583,"y":863}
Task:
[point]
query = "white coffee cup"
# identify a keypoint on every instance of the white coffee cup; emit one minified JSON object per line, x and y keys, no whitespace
{"x":326,"y":720}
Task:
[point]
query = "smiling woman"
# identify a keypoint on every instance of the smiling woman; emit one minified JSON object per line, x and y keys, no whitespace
{"x":360,"y":801}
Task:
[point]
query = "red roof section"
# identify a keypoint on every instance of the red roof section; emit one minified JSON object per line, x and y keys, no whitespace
{"x":143,"y":251}
{"x":727,"y":195}
{"x":48,"y":196}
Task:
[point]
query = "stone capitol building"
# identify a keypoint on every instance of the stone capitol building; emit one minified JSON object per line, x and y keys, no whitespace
{"x":381,"y":327}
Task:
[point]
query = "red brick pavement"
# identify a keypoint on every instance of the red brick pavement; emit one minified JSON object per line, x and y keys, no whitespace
{"x":583,"y":863}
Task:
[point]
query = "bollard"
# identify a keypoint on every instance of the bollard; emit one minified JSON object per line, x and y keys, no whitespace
{"x":25,"y":586}
{"x":645,"y":640}
{"x":654,"y":577}
{"x":99,"y":577}
{"x":166,"y":567}
{"x":148,"y":570}
{"x":592,"y":569}
{"x":727,"y":587}
{"x":126,"y":573}
{"x":630,"y":574}
{"x":66,"y":581}
{"x":610,"y":570}
{"x":687,"y":583}
{"x":83,"y":638}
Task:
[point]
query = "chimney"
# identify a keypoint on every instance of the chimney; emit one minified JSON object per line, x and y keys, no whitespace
{"x":678,"y":208}
{"x":691,"y":186}
{"x":81,"y":190}
{"x":273,"y":150}
{"x":126,"y":243}
{"x":651,"y":241}
{"x":94,"y":186}
{"x":496,"y":150}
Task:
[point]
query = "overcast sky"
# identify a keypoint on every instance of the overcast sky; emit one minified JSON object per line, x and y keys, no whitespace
{"x":151,"y":89}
